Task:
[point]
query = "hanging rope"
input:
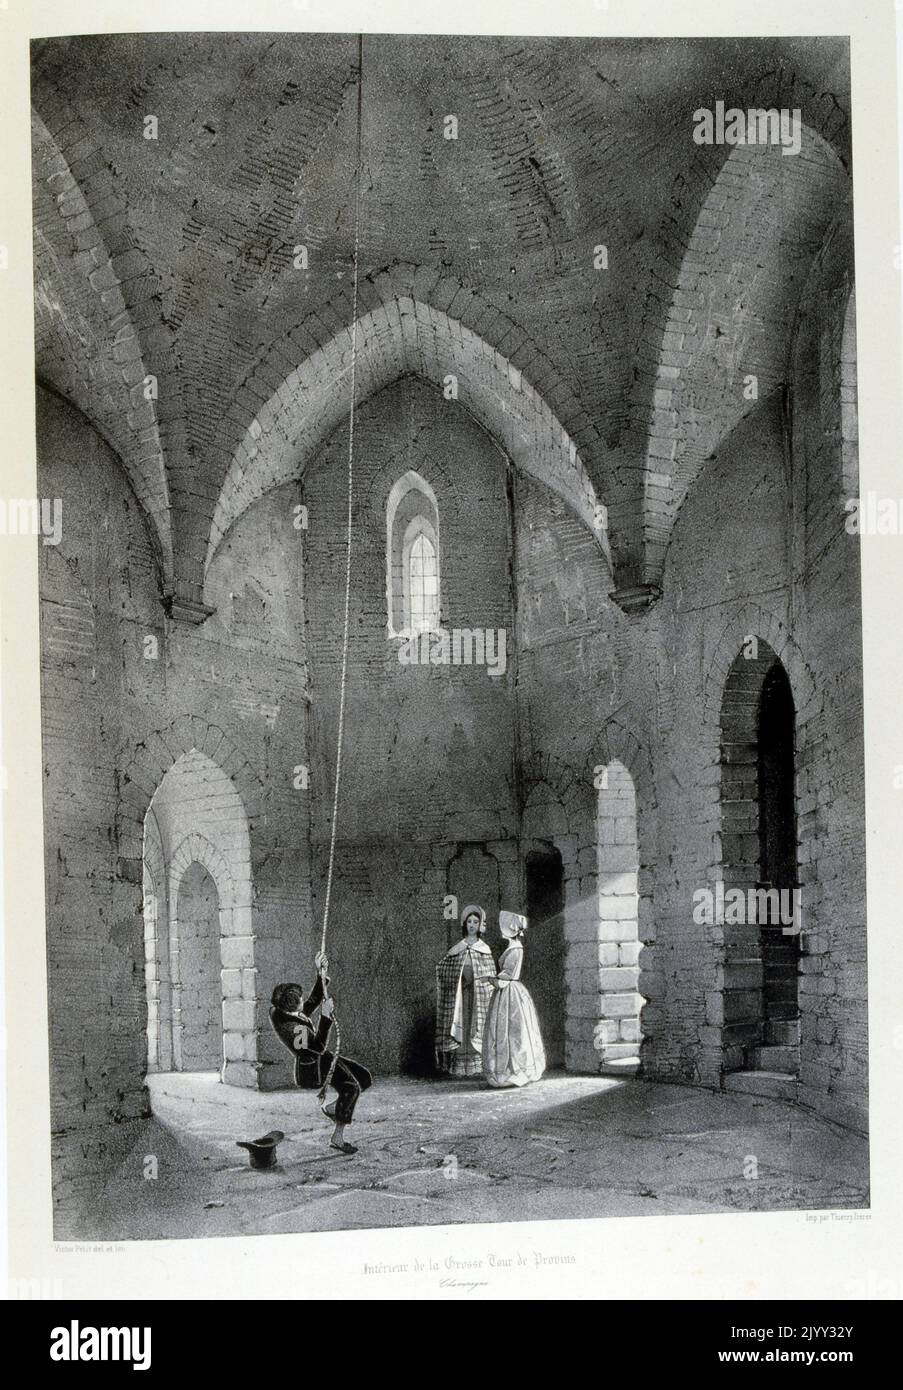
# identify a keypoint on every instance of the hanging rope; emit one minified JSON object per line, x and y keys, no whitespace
{"x":348,"y":516}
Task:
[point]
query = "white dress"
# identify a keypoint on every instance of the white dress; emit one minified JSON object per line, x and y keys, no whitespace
{"x":513,"y":1053}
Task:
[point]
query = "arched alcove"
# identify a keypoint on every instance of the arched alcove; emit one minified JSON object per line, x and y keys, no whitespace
{"x":199,"y":941}
{"x":759,"y":865}
{"x":472,"y":876}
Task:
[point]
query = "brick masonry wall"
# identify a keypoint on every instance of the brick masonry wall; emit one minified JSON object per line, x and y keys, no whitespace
{"x":441,"y":741}
{"x":725,"y":578}
{"x":429,"y":750}
{"x":445,"y":740}
{"x":578,"y":653}
{"x":833,"y":987}
{"x":730,"y":573}
{"x":114,"y":722}
{"x":200,"y":821}
{"x":477,"y":257}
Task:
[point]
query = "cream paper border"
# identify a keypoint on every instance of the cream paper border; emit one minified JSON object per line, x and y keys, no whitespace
{"x":763,"y":1255}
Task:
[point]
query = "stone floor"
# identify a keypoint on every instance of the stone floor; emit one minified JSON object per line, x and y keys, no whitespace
{"x":440,"y":1152}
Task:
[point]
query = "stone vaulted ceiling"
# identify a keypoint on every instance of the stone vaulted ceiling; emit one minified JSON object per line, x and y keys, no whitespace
{"x":174,"y":258}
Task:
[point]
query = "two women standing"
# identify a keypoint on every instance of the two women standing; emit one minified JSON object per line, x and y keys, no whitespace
{"x":486,"y":1022}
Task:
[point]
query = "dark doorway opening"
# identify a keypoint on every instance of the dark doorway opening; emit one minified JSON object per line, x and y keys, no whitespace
{"x":544,"y":958}
{"x":761,"y":1027}
{"x":778,"y":867}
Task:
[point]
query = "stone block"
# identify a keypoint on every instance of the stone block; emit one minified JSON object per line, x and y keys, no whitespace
{"x":240,"y":1015}
{"x":616,"y":930}
{"x":240,"y":1074}
{"x":620,"y":907}
{"x":619,"y":979}
{"x":619,"y":884}
{"x":714,"y":1006}
{"x":583,"y":955}
{"x":618,"y":1050}
{"x":587,"y":1005}
{"x":621,"y":1005}
{"x":579,"y":1029}
{"x":743,"y":974}
{"x":582,"y":1057}
{"x":740,"y":1004}
{"x":237,"y":952}
{"x":231,"y":983}
{"x":607,"y":1030}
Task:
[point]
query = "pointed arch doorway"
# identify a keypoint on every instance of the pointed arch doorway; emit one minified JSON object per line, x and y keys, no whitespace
{"x":761,"y":1021}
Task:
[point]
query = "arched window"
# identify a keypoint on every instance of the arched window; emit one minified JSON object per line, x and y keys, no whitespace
{"x":412,"y":557}
{"x":421,"y":578}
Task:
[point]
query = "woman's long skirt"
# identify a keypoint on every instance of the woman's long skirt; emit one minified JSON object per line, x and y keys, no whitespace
{"x":513,"y":1053}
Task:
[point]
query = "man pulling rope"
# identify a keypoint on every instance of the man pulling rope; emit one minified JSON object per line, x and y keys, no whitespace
{"x":315,"y":1066}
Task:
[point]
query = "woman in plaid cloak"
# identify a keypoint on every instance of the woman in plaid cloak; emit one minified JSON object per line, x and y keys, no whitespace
{"x":463,"y":990}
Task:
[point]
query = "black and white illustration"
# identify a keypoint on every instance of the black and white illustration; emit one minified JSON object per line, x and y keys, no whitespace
{"x":451,"y":634}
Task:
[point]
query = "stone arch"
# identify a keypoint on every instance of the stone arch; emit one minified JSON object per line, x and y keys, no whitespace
{"x":144,"y":762}
{"x":548,"y":779}
{"x":618,"y":744}
{"x":723,"y":335}
{"x":82,"y":317}
{"x":201,"y":820}
{"x":754,"y":621}
{"x":143,"y":765}
{"x":197,"y":849}
{"x":402,"y":330}
{"x":237,"y":947}
{"x":560,"y":806}
{"x":755,"y":954}
{"x":811,"y":703}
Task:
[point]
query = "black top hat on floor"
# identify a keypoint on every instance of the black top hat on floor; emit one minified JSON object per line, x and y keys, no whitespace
{"x":262,"y":1151}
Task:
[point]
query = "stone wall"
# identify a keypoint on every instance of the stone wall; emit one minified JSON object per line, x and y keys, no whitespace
{"x":429,"y":750}
{"x":126,"y":693}
{"x":192,"y":616}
